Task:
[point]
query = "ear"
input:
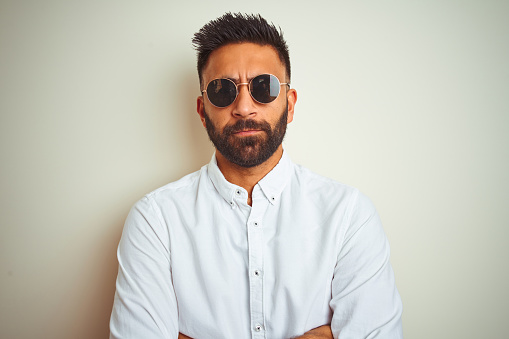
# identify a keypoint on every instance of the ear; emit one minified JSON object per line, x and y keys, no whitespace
{"x":200,"y":109}
{"x":291,"y":96}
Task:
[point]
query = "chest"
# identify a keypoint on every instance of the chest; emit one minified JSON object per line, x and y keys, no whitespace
{"x":268,"y":264}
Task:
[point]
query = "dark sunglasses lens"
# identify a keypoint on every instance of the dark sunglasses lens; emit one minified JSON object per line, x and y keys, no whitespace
{"x":221,"y":92}
{"x":265,"y":88}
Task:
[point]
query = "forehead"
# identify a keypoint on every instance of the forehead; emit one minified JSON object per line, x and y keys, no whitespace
{"x":243,"y":61}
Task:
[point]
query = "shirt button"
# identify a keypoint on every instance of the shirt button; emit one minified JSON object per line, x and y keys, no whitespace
{"x":256,"y":224}
{"x":258,"y":327}
{"x":238,"y":192}
{"x":257,"y":273}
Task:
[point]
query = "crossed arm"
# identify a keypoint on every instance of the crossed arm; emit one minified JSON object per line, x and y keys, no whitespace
{"x":322,"y":332}
{"x":365,"y":302}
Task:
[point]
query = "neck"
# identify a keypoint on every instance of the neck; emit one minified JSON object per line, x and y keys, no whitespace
{"x":247,"y":177}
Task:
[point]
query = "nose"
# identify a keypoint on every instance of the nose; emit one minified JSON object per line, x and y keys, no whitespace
{"x":244,"y":105}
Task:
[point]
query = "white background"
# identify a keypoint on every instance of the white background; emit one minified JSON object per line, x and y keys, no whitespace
{"x":406,"y":100}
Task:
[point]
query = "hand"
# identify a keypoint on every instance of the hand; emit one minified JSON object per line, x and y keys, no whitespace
{"x":322,"y":332}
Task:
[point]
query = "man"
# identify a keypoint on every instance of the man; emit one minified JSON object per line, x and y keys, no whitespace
{"x":252,"y":245}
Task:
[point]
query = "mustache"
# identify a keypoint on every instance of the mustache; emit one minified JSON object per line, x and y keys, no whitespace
{"x":242,"y":125}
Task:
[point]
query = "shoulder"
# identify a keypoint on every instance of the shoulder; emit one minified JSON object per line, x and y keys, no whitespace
{"x":183,"y":183}
{"x":176,"y":190}
{"x":319,"y":184}
{"x":329,"y":192}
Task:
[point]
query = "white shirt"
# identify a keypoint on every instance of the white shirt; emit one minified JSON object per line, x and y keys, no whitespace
{"x":195,"y":258}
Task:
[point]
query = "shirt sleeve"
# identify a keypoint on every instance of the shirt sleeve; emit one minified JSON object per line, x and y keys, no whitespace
{"x":365,"y":301}
{"x":145,"y":305}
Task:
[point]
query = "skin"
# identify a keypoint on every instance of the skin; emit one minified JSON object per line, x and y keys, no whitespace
{"x":242,"y":62}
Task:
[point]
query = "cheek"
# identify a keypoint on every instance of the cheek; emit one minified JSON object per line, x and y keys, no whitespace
{"x":218,"y":119}
{"x":221,"y":119}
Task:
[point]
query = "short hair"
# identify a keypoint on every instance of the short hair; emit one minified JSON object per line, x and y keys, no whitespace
{"x":237,"y":28}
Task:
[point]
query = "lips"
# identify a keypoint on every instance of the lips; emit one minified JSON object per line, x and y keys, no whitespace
{"x":247,"y":127}
{"x":247,"y":131}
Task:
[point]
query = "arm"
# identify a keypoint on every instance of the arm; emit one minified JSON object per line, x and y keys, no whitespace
{"x":365,"y":301}
{"x":322,"y":332}
{"x":145,"y":304}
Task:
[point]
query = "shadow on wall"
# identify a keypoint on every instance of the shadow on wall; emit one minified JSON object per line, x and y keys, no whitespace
{"x":102,"y":294}
{"x":195,"y":150}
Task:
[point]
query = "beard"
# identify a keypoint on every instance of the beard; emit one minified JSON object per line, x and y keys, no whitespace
{"x":248,"y":151}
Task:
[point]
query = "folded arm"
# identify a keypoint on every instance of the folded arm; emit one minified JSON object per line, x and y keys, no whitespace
{"x":322,"y":332}
{"x":145,"y":304}
{"x":365,"y":301}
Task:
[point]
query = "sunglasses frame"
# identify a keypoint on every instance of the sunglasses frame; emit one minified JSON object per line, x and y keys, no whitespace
{"x":249,"y":85}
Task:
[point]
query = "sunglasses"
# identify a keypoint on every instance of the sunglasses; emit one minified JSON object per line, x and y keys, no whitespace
{"x":263,"y":88}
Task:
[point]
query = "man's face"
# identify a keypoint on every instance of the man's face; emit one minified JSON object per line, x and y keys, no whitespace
{"x":246,"y":132}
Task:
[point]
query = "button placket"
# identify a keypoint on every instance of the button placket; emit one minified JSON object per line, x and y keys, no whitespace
{"x":256,"y":245}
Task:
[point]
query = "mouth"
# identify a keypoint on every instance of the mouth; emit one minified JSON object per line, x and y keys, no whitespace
{"x":247,"y":132}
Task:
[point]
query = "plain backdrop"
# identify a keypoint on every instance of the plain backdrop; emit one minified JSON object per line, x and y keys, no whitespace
{"x":406,"y":100}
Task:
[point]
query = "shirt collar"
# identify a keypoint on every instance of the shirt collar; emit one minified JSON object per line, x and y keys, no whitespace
{"x":274,"y":182}
{"x":271,"y":185}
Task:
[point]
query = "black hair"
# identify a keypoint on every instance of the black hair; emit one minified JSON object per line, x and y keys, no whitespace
{"x":237,"y":28}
